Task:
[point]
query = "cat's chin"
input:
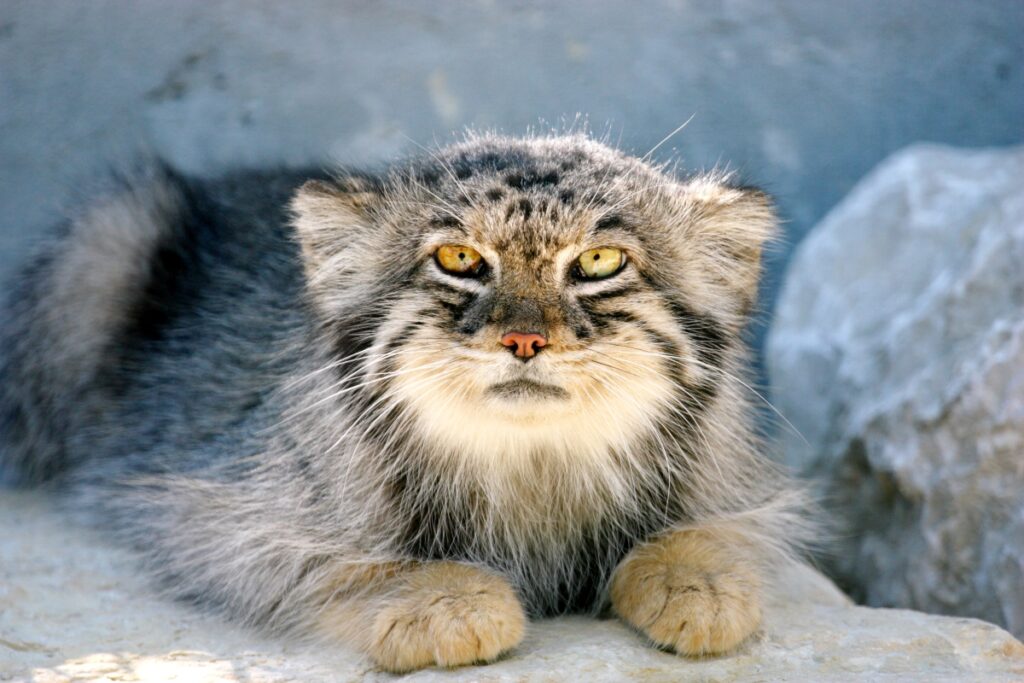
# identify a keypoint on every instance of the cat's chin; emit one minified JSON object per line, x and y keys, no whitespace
{"x":526,"y":404}
{"x":526,"y":391}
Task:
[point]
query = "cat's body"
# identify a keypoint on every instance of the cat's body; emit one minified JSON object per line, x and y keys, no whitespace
{"x":321,"y":428}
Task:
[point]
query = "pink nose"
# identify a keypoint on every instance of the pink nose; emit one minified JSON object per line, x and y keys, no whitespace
{"x":524,"y":344}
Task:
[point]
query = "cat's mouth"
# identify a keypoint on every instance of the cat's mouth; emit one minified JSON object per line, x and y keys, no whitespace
{"x":520,"y":389}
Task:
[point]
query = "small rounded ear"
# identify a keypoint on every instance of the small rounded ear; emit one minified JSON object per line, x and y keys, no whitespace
{"x":732,"y":225}
{"x":328,"y":217}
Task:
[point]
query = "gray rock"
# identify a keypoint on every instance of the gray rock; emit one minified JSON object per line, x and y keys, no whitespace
{"x":898,"y":352}
{"x":73,"y":609}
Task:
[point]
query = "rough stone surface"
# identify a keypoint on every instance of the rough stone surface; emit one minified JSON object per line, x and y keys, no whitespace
{"x":898,"y":352}
{"x":74,"y":609}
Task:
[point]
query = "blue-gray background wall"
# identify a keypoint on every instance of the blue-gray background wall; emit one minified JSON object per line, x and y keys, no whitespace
{"x":800,"y":96}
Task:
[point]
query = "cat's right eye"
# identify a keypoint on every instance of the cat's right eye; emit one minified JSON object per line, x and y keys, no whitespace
{"x":597,"y":264}
{"x":458,"y":259}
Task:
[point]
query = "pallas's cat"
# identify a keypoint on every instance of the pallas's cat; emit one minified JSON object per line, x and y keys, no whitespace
{"x":404,"y":411}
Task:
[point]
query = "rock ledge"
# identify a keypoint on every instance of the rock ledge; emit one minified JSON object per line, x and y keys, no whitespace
{"x":74,"y":609}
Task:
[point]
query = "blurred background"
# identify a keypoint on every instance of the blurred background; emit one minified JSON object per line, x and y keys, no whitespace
{"x":800,"y":97}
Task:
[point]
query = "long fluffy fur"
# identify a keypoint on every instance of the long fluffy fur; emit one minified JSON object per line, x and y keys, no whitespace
{"x":273,"y":392}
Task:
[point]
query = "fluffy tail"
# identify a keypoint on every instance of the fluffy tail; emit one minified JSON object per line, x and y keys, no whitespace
{"x":64,"y":313}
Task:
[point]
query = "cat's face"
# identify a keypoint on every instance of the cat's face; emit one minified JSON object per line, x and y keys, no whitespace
{"x":549,"y":297}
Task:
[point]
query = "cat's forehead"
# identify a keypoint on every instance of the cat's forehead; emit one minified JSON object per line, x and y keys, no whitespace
{"x":529,"y":194}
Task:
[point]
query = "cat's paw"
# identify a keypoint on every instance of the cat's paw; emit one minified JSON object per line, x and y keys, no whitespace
{"x":446,"y":614}
{"x":687,"y":598}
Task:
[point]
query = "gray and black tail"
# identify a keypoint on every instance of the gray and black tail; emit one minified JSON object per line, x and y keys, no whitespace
{"x":65,"y":311}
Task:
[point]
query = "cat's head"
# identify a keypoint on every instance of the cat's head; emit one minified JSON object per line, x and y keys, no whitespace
{"x":547,"y":296}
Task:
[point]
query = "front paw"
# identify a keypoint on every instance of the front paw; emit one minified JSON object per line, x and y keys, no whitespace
{"x":449,"y":615}
{"x":688,"y":596}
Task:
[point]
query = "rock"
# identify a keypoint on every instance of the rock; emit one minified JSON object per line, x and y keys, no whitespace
{"x":73,"y":608}
{"x":898,"y":352}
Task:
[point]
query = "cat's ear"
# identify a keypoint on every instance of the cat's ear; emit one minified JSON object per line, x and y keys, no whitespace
{"x":329,"y":217}
{"x":732,"y":225}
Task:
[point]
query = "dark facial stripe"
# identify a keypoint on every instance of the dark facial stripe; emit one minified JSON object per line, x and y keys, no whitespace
{"x":666,"y":344}
{"x":440,"y":288}
{"x":578,"y":319}
{"x":602,"y":320}
{"x":457,"y":309}
{"x":615,"y":316}
{"x":694,"y":395}
{"x":622,"y":290}
{"x":708,"y":336}
{"x":468,"y":312}
{"x":354,"y":335}
{"x":350,"y":373}
{"x":399,"y":338}
{"x":367,"y":403}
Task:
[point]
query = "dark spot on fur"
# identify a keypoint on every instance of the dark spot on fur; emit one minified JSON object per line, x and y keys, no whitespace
{"x":494,"y":161}
{"x":524,"y":181}
{"x":522,"y":206}
{"x":549,"y":178}
{"x":447,"y":221}
{"x":609,"y":222}
{"x":531,"y":252}
{"x":495,"y":193}
{"x":525,"y":207}
{"x":566,"y":196}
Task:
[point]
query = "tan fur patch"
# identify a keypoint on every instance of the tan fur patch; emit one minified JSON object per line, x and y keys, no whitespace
{"x":439,"y":613}
{"x":690,"y":591}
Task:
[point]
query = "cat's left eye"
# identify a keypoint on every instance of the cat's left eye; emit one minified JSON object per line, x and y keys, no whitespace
{"x":458,"y":259}
{"x":602,"y":262}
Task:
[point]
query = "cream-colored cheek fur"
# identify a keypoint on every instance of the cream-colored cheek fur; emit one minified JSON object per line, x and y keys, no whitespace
{"x":606,"y":409}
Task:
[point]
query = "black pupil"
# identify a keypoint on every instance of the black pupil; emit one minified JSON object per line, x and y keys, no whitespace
{"x":462,"y":255}
{"x":597,"y":257}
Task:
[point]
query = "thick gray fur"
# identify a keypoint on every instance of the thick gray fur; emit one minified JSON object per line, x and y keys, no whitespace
{"x":200,"y":367}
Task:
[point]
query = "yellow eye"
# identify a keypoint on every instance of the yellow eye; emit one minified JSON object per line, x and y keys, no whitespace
{"x":595,"y":264}
{"x":459,"y":259}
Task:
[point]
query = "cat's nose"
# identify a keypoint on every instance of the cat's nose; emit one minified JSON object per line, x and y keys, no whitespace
{"x":524,"y":344}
